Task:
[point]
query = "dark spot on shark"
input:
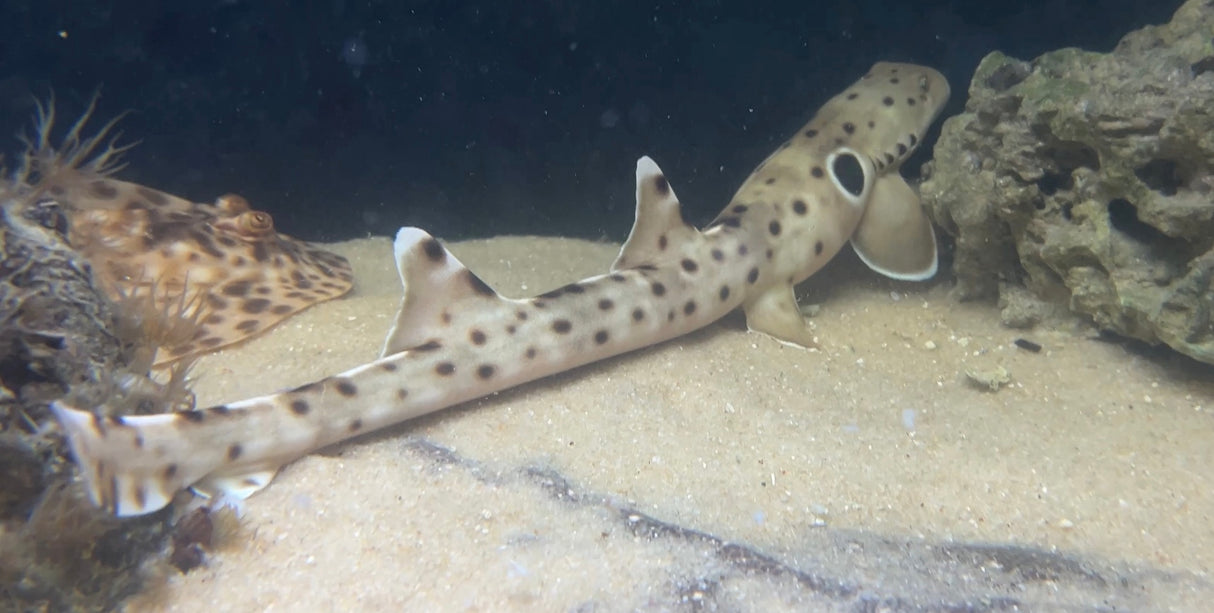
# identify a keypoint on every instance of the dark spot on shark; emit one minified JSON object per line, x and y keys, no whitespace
{"x":662,"y":242}
{"x":477,"y":337}
{"x":799,"y":207}
{"x":817,"y":172}
{"x":774,"y":228}
{"x":689,"y":307}
{"x":811,"y":133}
{"x":601,"y":337}
{"x":658,"y":289}
{"x":718,"y":255}
{"x":485,"y":371}
{"x":739,"y":209}
{"x":818,"y":247}
{"x":724,"y":293}
{"x":530,"y":353}
{"x":434,"y":250}
{"x":752,"y":276}
{"x":638,"y":314}
{"x":234,"y":451}
{"x":300,"y":407}
{"x":346,"y":388}
{"x":849,"y":127}
{"x":388,"y":366}
{"x":606,"y":304}
{"x":356,"y":425}
{"x":661,"y":185}
{"x":887,"y":101}
{"x":445,"y":369}
{"x":562,"y":326}
{"x":689,"y":265}
{"x":432,"y":345}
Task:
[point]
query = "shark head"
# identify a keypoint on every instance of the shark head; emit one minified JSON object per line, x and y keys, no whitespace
{"x":836,"y":180}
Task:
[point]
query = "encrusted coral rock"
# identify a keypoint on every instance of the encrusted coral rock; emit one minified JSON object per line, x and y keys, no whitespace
{"x":1089,"y":179}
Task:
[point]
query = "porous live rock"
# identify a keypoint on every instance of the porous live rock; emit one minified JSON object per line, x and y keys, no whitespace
{"x":1088,"y":178}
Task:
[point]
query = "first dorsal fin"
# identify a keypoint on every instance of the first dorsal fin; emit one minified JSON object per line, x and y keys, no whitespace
{"x":659,"y":221}
{"x":433,"y":280}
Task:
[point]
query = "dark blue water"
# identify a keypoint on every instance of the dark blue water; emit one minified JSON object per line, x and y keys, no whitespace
{"x":345,"y":117}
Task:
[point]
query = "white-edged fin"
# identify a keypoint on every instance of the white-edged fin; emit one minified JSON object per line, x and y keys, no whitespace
{"x":93,"y":439}
{"x":895,"y":236}
{"x":659,"y":221}
{"x":433,"y":280}
{"x":775,"y":313}
{"x":239,"y":486}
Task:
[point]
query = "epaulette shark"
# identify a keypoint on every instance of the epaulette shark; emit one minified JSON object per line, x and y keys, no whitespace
{"x":455,"y":338}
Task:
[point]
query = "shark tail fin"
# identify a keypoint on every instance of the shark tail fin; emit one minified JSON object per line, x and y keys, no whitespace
{"x":94,"y":440}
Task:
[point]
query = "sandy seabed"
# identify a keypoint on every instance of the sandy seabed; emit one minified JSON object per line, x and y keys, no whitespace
{"x":725,"y":471}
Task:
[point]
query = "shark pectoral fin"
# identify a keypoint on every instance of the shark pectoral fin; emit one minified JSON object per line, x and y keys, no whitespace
{"x":895,"y":237}
{"x":433,"y":281}
{"x":238,"y":486}
{"x":775,"y":313}
{"x":659,"y":221}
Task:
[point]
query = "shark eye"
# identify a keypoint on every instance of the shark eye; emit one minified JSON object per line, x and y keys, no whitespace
{"x":847,"y":173}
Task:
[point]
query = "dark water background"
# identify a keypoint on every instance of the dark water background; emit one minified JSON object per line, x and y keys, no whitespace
{"x":345,"y":118}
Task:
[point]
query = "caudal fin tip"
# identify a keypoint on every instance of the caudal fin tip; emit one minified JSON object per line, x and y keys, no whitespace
{"x":116,"y":492}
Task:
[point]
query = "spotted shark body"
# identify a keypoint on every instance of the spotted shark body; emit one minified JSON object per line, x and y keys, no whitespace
{"x":455,"y":338}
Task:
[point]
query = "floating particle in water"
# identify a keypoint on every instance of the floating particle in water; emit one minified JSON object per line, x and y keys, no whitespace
{"x":355,"y":54}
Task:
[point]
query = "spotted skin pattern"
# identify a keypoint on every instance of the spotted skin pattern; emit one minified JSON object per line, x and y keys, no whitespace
{"x":455,"y":338}
{"x":244,"y":276}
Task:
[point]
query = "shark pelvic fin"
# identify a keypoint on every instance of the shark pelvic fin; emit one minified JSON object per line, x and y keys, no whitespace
{"x":895,"y":237}
{"x":775,"y":313}
{"x":239,"y":486}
